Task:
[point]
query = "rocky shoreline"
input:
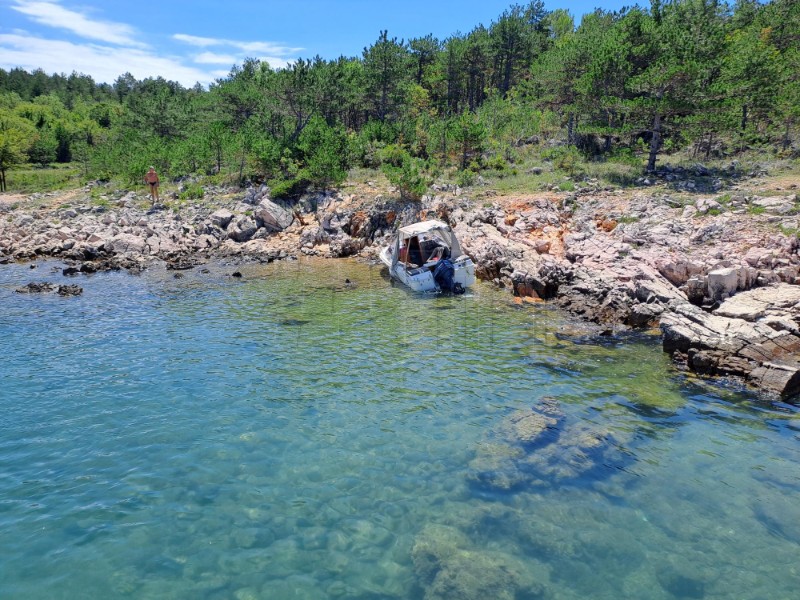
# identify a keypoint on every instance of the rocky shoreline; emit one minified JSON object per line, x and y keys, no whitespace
{"x":717,"y":273}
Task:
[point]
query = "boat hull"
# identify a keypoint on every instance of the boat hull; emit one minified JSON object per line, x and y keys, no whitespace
{"x":421,"y":279}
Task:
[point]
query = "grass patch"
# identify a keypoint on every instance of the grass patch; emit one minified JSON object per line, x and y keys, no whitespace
{"x":30,"y":180}
{"x":566,"y":186}
{"x":754,"y":209}
{"x":102,"y":202}
{"x":611,"y":172}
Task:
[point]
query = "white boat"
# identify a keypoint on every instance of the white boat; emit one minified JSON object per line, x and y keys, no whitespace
{"x":427,"y":257}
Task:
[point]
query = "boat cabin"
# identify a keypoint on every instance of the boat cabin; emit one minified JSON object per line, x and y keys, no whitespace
{"x":425,"y":244}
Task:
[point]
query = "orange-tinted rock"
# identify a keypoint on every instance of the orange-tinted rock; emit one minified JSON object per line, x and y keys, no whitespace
{"x":357,"y":222}
{"x":607,"y":225}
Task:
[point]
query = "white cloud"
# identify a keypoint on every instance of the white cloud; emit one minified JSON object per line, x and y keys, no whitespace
{"x":111,"y":48}
{"x":53,"y":14}
{"x":265,"y":48}
{"x":197,"y":41}
{"x":275,"y":62}
{"x":211,"y":58}
{"x":277,"y":52}
{"x":103,"y":63}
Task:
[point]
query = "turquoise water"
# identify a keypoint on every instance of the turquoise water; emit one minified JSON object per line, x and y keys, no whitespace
{"x":286,"y":435}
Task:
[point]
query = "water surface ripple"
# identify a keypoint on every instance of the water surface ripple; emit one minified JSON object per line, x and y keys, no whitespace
{"x":291,"y":435}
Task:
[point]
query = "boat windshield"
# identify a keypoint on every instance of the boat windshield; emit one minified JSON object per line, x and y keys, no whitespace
{"x":426,"y":248}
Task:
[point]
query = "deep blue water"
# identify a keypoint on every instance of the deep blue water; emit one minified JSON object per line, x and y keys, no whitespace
{"x":286,"y":435}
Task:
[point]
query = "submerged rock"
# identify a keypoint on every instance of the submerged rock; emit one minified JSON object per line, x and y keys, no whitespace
{"x":539,"y":447}
{"x":536,"y":425}
{"x":448,"y":567}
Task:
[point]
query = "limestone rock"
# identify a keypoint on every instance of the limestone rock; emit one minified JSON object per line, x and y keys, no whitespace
{"x":125,"y":243}
{"x":243,"y":229}
{"x":273,"y":216}
{"x":722,"y":283}
{"x":716,"y":344}
{"x":777,"y":205}
{"x":221,"y":218}
{"x":345,"y":246}
{"x":757,"y":303}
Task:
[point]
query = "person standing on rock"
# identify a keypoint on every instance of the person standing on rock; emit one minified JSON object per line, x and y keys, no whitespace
{"x":151,"y":179}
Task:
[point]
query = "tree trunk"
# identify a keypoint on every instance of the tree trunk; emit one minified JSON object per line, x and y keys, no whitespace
{"x":2,"y":180}
{"x":655,"y":143}
{"x":786,"y":140}
{"x":507,"y":76}
{"x":571,"y":129}
{"x":744,"y":117}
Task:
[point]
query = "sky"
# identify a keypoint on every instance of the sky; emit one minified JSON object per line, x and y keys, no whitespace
{"x":201,"y":40}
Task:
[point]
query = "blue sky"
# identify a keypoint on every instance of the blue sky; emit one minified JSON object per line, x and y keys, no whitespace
{"x":201,"y":40}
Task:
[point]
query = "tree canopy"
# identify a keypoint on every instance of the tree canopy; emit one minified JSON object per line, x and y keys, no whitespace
{"x":671,"y":75}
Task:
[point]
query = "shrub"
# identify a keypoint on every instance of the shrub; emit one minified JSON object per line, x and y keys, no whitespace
{"x":407,"y":173}
{"x":465,"y":178}
{"x":565,"y":158}
{"x":286,"y":188}
{"x":497,"y":163}
{"x":192,"y":191}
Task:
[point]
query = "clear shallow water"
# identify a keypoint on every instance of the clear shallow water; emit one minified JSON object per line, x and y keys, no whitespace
{"x":288,"y":436}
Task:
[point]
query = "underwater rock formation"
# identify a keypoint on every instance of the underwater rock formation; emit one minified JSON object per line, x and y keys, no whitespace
{"x":448,"y":567}
{"x":539,"y":447}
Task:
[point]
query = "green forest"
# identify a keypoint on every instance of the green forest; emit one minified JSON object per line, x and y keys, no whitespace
{"x":702,"y":77}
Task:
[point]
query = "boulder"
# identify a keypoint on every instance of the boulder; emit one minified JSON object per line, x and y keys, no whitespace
{"x":69,"y":290}
{"x":243,"y":229}
{"x":704,"y":205}
{"x":125,"y":243}
{"x":272,"y":216}
{"x":722,"y":283}
{"x":678,"y":271}
{"x":344,"y":245}
{"x":221,"y":218}
{"x":776,"y":205}
{"x":529,"y":427}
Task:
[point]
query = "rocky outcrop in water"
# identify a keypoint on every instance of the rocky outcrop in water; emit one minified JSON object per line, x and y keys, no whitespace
{"x":47,"y":287}
{"x":754,"y":335}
